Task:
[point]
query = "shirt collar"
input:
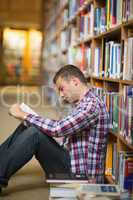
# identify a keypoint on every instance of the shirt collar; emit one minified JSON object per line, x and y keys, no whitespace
{"x":85,"y":95}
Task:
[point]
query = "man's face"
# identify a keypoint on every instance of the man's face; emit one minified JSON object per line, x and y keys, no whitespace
{"x":67,"y":90}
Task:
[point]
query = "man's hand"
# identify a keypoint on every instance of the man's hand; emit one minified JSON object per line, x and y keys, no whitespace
{"x":16,"y":112}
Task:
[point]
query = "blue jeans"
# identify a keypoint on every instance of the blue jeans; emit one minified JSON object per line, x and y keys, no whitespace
{"x":25,"y":142}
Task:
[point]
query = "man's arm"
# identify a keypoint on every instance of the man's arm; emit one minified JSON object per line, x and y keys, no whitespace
{"x":76,"y":122}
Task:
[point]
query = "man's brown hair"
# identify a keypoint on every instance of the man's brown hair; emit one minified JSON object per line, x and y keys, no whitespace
{"x":68,"y":71}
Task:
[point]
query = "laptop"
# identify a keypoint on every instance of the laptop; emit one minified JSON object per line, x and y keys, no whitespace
{"x":66,"y":178}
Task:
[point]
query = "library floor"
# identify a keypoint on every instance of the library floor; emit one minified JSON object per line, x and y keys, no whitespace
{"x":29,"y":182}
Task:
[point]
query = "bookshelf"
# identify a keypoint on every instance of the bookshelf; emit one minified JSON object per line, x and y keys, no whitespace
{"x":97,"y":36}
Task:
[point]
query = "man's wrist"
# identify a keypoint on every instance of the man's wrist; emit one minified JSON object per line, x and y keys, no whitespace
{"x":24,"y":116}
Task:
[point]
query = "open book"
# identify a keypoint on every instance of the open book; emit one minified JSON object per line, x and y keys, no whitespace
{"x":27,"y":109}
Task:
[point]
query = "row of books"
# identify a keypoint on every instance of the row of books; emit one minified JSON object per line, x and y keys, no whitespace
{"x":112,"y":11}
{"x":125,"y":166}
{"x":74,"y":5}
{"x":86,"y":22}
{"x":112,"y":60}
{"x":95,"y":19}
{"x":107,"y":60}
{"x":100,"y":20}
{"x":108,"y":57}
{"x":111,"y":100}
{"x":126,"y":113}
{"x":125,"y":179}
{"x":120,"y":108}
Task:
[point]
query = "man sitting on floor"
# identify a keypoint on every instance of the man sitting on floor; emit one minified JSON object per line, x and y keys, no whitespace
{"x":84,"y":130}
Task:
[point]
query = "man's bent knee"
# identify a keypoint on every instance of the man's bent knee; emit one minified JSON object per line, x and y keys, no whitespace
{"x":32,"y":130}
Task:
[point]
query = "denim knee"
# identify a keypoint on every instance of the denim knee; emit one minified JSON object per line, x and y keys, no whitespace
{"x":32,"y":130}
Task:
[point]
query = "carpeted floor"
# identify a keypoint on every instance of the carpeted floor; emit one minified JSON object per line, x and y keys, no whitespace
{"x":29,"y":182}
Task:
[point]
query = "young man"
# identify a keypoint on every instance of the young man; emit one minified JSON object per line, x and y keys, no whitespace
{"x":84,"y":130}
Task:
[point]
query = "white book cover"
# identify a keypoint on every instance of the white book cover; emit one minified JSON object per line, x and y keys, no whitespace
{"x":62,"y":192}
{"x":27,"y":109}
{"x":91,"y":20}
{"x":125,"y":59}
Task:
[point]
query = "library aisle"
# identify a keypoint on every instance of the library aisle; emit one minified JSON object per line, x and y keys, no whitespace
{"x":29,"y":182}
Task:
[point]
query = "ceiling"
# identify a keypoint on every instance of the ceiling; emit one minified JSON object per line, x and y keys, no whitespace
{"x":21,"y":13}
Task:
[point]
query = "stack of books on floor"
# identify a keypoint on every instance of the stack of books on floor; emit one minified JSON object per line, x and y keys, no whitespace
{"x":79,"y":191}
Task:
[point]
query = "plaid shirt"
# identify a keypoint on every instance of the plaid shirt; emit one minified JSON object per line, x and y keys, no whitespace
{"x":86,"y":129}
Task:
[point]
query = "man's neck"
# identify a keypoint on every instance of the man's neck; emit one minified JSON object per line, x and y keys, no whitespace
{"x":83,"y":90}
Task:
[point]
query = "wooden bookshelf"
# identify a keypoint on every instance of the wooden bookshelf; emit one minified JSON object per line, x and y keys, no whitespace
{"x":113,"y":134}
{"x":96,"y":39}
{"x":110,"y":180}
{"x":122,"y":139}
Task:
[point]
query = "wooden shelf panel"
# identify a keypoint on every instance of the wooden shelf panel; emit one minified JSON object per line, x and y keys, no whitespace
{"x":114,"y":29}
{"x":113,"y":134}
{"x":128,"y":23}
{"x":110,"y":179}
{"x":123,"y":140}
{"x":128,"y":82}
{"x":84,"y":6}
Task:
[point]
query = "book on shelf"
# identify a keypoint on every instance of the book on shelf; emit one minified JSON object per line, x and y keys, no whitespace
{"x":107,"y":60}
{"x":64,"y":17}
{"x":114,"y":161}
{"x":82,"y":19}
{"x":76,"y":56}
{"x":88,"y":60}
{"x":115,"y":106}
{"x":113,"y":110}
{"x":112,"y":60}
{"x":99,"y":20}
{"x":109,"y":159}
{"x":125,"y":179}
{"x":114,"y":10}
{"x":128,"y":59}
{"x":64,"y":40}
{"x":127,"y":10}
{"x":88,"y":22}
{"x":97,"y":55}
{"x":73,"y":7}
{"x":111,"y":100}
{"x":119,"y":12}
{"x":126,"y":113}
{"x":98,"y":60}
{"x":73,"y":35}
